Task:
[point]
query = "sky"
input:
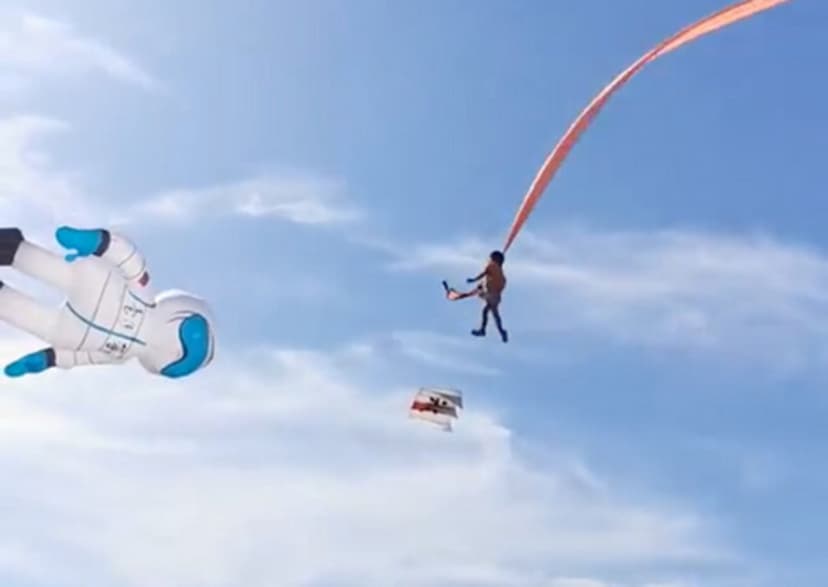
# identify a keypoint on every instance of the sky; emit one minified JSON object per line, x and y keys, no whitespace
{"x":315,"y":169}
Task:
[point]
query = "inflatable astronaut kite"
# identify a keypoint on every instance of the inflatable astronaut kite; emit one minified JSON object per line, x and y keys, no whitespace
{"x":110,"y":314}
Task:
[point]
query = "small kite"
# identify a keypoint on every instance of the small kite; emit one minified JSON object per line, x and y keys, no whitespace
{"x":436,"y":405}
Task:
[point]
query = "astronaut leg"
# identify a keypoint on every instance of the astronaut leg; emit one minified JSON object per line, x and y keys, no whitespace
{"x":27,"y":314}
{"x":37,"y":262}
{"x":35,"y":362}
{"x":47,"y":358}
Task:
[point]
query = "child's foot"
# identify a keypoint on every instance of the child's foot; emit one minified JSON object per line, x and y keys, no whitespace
{"x":478,"y":332}
{"x":504,"y":335}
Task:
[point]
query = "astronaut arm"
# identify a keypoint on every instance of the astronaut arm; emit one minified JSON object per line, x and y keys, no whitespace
{"x":122,"y":253}
{"x":109,"y":246}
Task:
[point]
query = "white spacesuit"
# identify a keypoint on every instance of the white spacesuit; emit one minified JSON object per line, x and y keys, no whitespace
{"x":110,"y":314}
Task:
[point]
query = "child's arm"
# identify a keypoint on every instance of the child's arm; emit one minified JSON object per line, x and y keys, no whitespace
{"x":478,"y":277}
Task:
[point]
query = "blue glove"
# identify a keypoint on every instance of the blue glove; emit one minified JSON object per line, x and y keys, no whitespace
{"x":31,"y":363}
{"x":85,"y":241}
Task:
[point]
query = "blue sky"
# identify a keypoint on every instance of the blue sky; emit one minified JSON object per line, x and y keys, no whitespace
{"x":315,"y":169}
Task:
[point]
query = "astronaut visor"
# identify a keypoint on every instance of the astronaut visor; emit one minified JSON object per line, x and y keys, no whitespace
{"x":197,"y":344}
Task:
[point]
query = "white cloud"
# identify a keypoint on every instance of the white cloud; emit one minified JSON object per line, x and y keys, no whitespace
{"x":576,"y":582}
{"x":442,"y":352}
{"x":753,"y":468}
{"x":743,"y":294}
{"x":588,"y":582}
{"x":35,"y":46}
{"x":298,"y":468}
{"x":297,"y":199}
{"x":31,"y":187}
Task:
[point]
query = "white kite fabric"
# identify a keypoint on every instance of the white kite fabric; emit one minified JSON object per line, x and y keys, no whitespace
{"x":436,"y":405}
{"x":110,"y":314}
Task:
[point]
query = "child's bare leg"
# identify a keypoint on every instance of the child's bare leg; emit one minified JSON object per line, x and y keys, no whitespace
{"x":499,"y":323}
{"x":484,"y":320}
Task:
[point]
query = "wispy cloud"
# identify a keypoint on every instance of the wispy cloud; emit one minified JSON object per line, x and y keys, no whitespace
{"x":30,"y":185}
{"x":442,"y":352}
{"x":288,"y":467}
{"x":742,"y":294}
{"x":298,"y":199}
{"x":30,"y":182}
{"x":34,"y":46}
{"x":753,"y":468}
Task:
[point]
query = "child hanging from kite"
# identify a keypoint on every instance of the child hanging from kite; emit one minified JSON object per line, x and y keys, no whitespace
{"x":490,"y":291}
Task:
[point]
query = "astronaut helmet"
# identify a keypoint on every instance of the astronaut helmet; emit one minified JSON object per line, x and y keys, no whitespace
{"x":181,"y":337}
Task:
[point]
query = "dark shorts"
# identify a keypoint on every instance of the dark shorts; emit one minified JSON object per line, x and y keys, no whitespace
{"x":491,"y":298}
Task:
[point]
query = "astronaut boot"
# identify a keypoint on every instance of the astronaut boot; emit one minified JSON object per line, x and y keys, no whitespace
{"x":85,"y":242}
{"x":10,"y":239}
{"x":32,"y":363}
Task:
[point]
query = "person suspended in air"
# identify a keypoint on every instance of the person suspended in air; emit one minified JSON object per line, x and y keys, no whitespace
{"x":491,"y":283}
